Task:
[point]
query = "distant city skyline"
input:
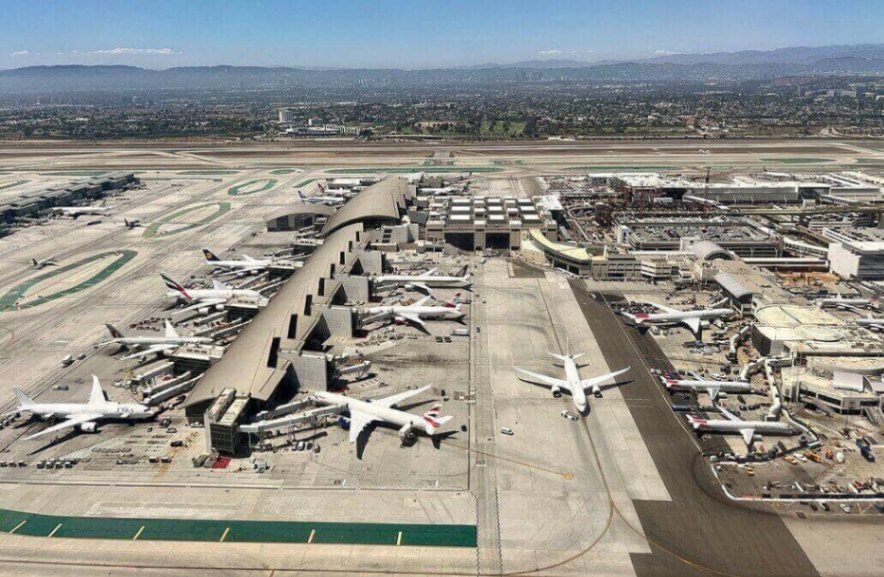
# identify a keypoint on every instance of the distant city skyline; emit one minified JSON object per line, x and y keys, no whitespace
{"x":414,"y":34}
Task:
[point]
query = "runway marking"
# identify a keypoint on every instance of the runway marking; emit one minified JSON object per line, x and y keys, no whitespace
{"x":224,"y":535}
{"x":57,"y":527}
{"x":138,"y":534}
{"x":17,"y":527}
{"x":310,"y":538}
{"x":399,"y":539}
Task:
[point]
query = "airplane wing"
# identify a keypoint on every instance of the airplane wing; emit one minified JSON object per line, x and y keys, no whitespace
{"x":421,"y":287}
{"x":430,"y":272}
{"x":247,"y":258}
{"x":421,"y":302}
{"x":713,"y":392}
{"x":96,"y":395}
{"x":693,"y":324}
{"x":72,"y":421}
{"x":548,"y":381}
{"x":412,"y":318}
{"x":358,"y":421}
{"x":728,"y":414}
{"x":218,"y":285}
{"x":595,"y":382}
{"x":394,"y":400}
{"x":149,"y":351}
{"x":203,"y":303}
{"x":664,"y":308}
{"x":748,"y":435}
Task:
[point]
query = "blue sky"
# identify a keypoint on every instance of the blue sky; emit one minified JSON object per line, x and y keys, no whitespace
{"x":415,"y":33}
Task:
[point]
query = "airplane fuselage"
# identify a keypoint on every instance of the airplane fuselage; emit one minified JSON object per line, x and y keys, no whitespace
{"x":644,"y":318}
{"x":723,"y":386}
{"x":107,"y":410}
{"x":423,"y":311}
{"x":198,"y":295}
{"x":143,"y":341}
{"x":726,"y":426}
{"x":572,"y":375}
{"x":428,"y":280}
{"x":390,"y":415}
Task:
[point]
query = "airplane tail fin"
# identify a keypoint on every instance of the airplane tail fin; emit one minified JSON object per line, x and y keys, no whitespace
{"x":433,"y":420}
{"x":34,"y":262}
{"x":210,"y":256}
{"x":170,"y":283}
{"x":114,"y":331}
{"x":564,"y":358}
{"x":463,"y":272}
{"x":23,"y":400}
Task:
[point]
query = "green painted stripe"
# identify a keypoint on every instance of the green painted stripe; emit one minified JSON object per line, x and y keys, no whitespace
{"x":13,"y":184}
{"x":237,"y":531}
{"x":268,"y":184}
{"x":154,"y":229}
{"x":304,"y":183}
{"x":8,"y":301}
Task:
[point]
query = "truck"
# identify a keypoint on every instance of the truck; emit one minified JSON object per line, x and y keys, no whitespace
{"x":867,"y":454}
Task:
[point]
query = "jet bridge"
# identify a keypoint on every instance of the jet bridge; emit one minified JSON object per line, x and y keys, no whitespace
{"x":311,"y":418}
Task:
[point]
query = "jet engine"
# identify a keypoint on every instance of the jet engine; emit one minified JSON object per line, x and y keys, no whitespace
{"x":406,"y":431}
{"x":89,"y":427}
{"x":556,"y":392}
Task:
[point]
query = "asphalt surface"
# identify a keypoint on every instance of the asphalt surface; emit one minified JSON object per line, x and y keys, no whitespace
{"x":699,"y":532}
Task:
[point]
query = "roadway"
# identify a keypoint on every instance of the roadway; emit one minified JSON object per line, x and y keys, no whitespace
{"x":697,"y":532}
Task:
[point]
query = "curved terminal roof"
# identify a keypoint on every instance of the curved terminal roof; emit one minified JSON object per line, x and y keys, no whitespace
{"x":301,"y":208}
{"x":565,"y":251}
{"x":246,"y":365}
{"x":733,"y":286}
{"x":708,"y":250}
{"x":385,"y":200}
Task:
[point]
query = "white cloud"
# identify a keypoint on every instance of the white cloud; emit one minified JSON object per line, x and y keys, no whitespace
{"x":136,"y":51}
{"x":550,"y":52}
{"x":25,"y":53}
{"x":662,"y":52}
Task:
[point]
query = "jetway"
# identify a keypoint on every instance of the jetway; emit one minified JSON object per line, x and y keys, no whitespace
{"x":171,"y":392}
{"x":311,"y":418}
{"x":148,"y":391}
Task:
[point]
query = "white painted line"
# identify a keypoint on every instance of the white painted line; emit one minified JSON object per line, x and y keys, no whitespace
{"x":224,"y":535}
{"x":17,"y":527}
{"x":310,"y":538}
{"x":399,"y":539}
{"x":57,"y":527}
{"x":138,"y":534}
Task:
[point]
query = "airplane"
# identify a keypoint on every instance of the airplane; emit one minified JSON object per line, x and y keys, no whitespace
{"x":843,"y":303}
{"x":170,"y":341}
{"x":246,"y":265}
{"x":413,"y":313}
{"x":712,"y":388}
{"x":872,"y":323}
{"x":216,"y":297}
{"x":38,"y":264}
{"x":747,"y":429}
{"x":694,"y":320}
{"x":425,"y":280}
{"x":135,"y":222}
{"x":81,"y":415}
{"x":75,"y":211}
{"x":444,"y":191}
{"x":362,"y":413}
{"x":326,"y":200}
{"x":572,"y":383}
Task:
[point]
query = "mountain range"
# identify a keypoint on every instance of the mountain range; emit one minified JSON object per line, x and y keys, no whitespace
{"x":866,"y":59}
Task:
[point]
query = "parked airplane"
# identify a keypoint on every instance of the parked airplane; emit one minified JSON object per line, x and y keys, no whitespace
{"x":75,"y":211}
{"x":872,"y":323}
{"x":170,"y":341}
{"x":216,"y":297}
{"x":38,"y":264}
{"x":413,"y":313}
{"x":135,"y":222}
{"x":318,"y":199}
{"x":573,"y":383}
{"x":842,"y":303}
{"x":81,"y":415}
{"x":694,"y":320}
{"x":425,"y":280}
{"x":362,"y":413}
{"x":245,"y":265}
{"x":747,"y":429}
{"x":712,"y":388}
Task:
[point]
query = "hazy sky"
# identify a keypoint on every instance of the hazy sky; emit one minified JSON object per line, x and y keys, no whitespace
{"x":413,"y":33}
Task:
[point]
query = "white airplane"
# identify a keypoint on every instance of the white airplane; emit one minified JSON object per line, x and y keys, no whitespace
{"x":712,"y":388}
{"x":246,"y":265}
{"x":872,"y":323}
{"x":747,"y":429}
{"x":216,"y":297}
{"x":694,"y":320}
{"x":425,"y":280}
{"x":317,"y":199}
{"x":843,"y":303}
{"x":38,"y":264}
{"x":363,"y":413}
{"x":75,"y":211}
{"x":170,"y":341}
{"x":573,"y":383}
{"x":81,"y":415}
{"x":446,"y":190}
{"x":413,"y":313}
